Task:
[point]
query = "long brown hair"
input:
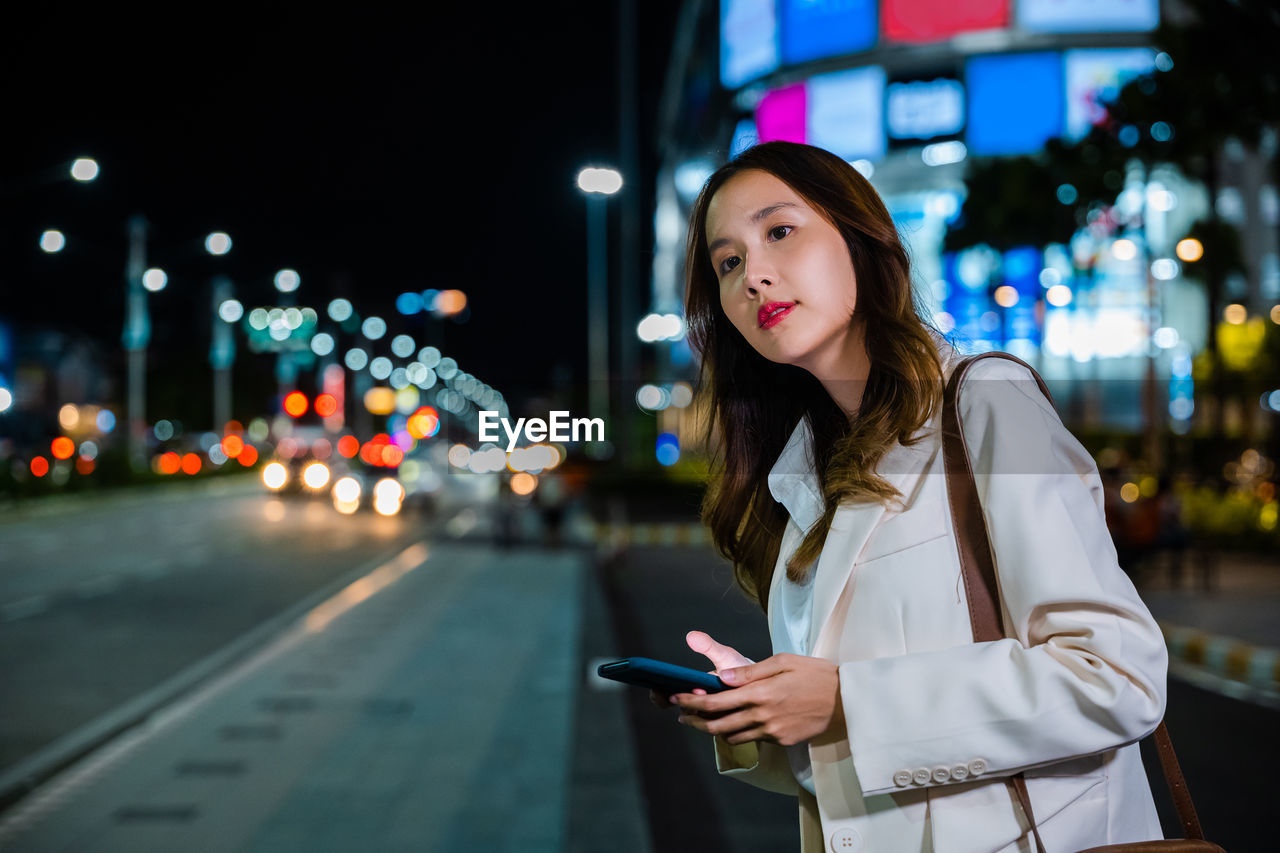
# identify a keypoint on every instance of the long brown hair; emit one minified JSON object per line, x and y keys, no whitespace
{"x":755,"y":404}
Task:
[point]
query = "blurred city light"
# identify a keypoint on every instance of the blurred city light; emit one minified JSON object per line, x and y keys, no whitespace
{"x":6,"y":399}
{"x":660,"y":327}
{"x":322,"y":343}
{"x":190,"y":464}
{"x":275,"y":475}
{"x":340,"y":310}
{"x":163,"y":430}
{"x":1067,"y":194}
{"x":944,"y":321}
{"x":667,"y":449}
{"x":681,"y":395}
{"x":39,"y":466}
{"x":652,"y":397}
{"x":459,"y":455}
{"x":387,"y":496}
{"x":347,"y":490}
{"x":326,"y":405}
{"x":523,"y":483}
{"x":409,"y":303}
{"x":217,"y":243}
{"x":1189,"y":250}
{"x":1058,"y":295}
{"x":89,"y":449}
{"x":249,"y":456}
{"x":316,"y":475}
{"x":403,"y":346}
{"x":1275,"y":314}
{"x":52,"y":241}
{"x":450,"y":302}
{"x":603,"y":181}
{"x":84,"y":169}
{"x":1164,"y":269}
{"x":106,"y":420}
{"x":1124,"y":249}
{"x":155,"y":279}
{"x":231,"y":310}
{"x":380,"y":400}
{"x":295,"y":404}
{"x":287,"y":280}
{"x":1006,"y":296}
{"x":68,"y":416}
{"x":1165,"y":337}
{"x":62,"y":447}
{"x":356,"y":358}
{"x":865,"y":167}
{"x":373,"y":328}
{"x":1235,"y":314}
{"x":380,"y":367}
{"x":232,"y":446}
{"x":944,"y":153}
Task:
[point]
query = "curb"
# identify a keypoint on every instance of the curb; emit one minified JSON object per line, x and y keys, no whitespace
{"x":1255,"y":666}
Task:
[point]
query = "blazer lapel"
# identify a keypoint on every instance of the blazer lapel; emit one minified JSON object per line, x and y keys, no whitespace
{"x":853,"y":524}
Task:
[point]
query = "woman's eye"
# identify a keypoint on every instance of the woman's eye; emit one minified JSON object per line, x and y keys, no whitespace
{"x":728,"y":264}
{"x":777,"y":232}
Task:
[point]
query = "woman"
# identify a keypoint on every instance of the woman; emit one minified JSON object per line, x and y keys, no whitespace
{"x":893,"y":727}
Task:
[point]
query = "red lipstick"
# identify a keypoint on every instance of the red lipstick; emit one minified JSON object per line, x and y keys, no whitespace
{"x":772,"y":314}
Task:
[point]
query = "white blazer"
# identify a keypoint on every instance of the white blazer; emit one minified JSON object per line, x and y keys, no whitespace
{"x":935,"y":722}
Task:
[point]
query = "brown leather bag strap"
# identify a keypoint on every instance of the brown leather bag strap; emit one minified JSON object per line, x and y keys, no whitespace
{"x":982,"y":589}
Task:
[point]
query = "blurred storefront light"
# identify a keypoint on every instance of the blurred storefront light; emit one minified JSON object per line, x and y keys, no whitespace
{"x":944,"y":153}
{"x":373,"y":328}
{"x":340,"y":310}
{"x":1124,"y":249}
{"x":604,"y":181}
{"x":84,"y":169}
{"x":231,"y":310}
{"x":1058,"y":296}
{"x":1164,"y":269}
{"x":1235,"y":314}
{"x":52,"y":241}
{"x":1166,"y":337}
{"x":1189,"y":250}
{"x":155,"y":279}
{"x":217,"y":243}
{"x":287,"y":280}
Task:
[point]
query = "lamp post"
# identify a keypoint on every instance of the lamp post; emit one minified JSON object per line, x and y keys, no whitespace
{"x":222,"y":346}
{"x":598,"y":184}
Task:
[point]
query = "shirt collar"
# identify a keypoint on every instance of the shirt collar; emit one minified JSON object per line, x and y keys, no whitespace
{"x":793,"y":482}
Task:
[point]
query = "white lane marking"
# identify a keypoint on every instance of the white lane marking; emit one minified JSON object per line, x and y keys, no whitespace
{"x":24,"y":607}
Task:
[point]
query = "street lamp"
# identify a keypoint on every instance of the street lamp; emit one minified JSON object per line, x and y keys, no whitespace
{"x":222,"y":347}
{"x":598,"y":184}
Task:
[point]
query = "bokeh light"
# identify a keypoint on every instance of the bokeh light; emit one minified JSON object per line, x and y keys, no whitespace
{"x":190,"y":463}
{"x":373,"y":328}
{"x":52,"y":241}
{"x":523,"y":483}
{"x":275,"y":475}
{"x":249,"y":456}
{"x":39,"y":466}
{"x":217,"y":243}
{"x":340,"y":310}
{"x":1235,"y":314}
{"x":62,"y":447}
{"x":287,"y":280}
{"x":232,"y":446}
{"x":84,"y":169}
{"x":170,"y":463}
{"x":154,"y":280}
{"x":316,"y":475}
{"x":295,"y":404}
{"x":1189,"y":250}
{"x":326,"y":405}
{"x":69,"y":416}
{"x":349,"y":446}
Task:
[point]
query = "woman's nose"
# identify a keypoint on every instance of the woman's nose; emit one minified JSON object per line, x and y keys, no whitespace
{"x":758,"y":278}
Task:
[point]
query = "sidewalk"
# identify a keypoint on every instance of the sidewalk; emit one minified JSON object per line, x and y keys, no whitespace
{"x":430,"y":705}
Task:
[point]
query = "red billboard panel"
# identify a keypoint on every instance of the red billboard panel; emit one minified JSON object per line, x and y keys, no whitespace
{"x":934,"y":20}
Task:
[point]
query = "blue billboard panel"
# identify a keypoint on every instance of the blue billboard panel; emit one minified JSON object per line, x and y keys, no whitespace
{"x":748,"y":41}
{"x":1088,"y":16}
{"x":813,"y":29}
{"x":1015,"y":102}
{"x":845,"y":112}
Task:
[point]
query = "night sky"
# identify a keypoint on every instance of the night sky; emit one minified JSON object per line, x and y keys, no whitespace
{"x":372,"y":152}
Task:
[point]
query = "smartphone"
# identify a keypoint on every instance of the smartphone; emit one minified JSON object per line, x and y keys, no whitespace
{"x":666,"y":678}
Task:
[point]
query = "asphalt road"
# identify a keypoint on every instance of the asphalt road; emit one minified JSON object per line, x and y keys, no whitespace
{"x":102,"y":599}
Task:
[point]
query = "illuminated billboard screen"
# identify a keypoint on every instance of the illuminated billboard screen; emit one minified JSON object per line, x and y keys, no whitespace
{"x":1097,"y":76}
{"x":1015,"y":102}
{"x":813,"y":29}
{"x":845,"y":112}
{"x":918,"y":110}
{"x":1080,"y":16}
{"x":748,"y":41}
{"x":919,"y":21}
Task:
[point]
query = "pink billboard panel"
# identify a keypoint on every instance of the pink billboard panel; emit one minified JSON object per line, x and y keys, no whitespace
{"x":781,"y":113}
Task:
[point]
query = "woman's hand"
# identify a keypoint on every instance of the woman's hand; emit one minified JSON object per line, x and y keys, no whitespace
{"x":786,"y":699}
{"x":722,"y":657}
